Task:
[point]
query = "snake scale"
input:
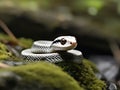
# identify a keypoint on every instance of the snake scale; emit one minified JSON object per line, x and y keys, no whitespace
{"x":58,"y":50}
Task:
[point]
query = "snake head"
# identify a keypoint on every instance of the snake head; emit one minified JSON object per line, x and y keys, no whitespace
{"x":64,"y":43}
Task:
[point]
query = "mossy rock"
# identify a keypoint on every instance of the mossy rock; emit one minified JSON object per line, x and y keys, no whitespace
{"x":42,"y":76}
{"x":84,"y":73}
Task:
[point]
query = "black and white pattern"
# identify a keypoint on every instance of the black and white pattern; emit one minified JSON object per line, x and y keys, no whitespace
{"x":43,"y":51}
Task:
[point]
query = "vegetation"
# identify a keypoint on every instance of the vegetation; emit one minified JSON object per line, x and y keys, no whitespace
{"x":23,"y":42}
{"x":43,"y":76}
{"x":84,"y":73}
{"x":4,"y":53}
{"x":102,"y":16}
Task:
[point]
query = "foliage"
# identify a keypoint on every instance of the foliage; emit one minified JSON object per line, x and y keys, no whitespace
{"x":102,"y":16}
{"x":4,"y":54}
{"x":36,"y":5}
{"x":24,"y":42}
{"x":43,"y":76}
{"x":87,"y":4}
{"x":4,"y":37}
{"x":84,"y":73}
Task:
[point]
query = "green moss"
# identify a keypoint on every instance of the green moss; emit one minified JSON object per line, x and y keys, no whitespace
{"x":45,"y":76}
{"x":26,"y":43}
{"x":84,"y":73}
{"x":4,"y":54}
{"x":4,"y":37}
{"x":90,"y":64}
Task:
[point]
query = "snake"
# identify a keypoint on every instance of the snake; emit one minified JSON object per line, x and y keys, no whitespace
{"x":60,"y":49}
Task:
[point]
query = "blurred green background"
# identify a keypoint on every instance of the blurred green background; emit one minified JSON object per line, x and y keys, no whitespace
{"x":102,"y":15}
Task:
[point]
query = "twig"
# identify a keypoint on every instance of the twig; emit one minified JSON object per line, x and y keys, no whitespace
{"x":7,"y":30}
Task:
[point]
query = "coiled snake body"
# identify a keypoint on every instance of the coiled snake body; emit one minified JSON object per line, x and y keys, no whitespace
{"x":62,"y":48}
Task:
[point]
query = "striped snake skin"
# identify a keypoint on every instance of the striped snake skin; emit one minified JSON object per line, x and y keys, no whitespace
{"x":58,"y":50}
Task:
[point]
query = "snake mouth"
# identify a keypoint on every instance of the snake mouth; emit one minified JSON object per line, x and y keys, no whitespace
{"x":73,"y":44}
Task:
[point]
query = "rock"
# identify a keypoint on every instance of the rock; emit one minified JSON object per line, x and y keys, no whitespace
{"x":8,"y":80}
{"x":41,"y":76}
{"x":111,"y":86}
{"x":13,"y":63}
{"x":84,"y":73}
{"x":107,"y":66}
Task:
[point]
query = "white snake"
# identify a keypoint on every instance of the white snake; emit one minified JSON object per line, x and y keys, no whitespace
{"x":61,"y":49}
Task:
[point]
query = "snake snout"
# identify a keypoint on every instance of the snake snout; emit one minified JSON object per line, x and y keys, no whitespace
{"x":73,"y":44}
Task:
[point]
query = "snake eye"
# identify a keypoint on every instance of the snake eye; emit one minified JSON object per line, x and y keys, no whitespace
{"x":63,"y":41}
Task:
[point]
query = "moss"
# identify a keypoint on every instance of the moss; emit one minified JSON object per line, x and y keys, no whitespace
{"x":4,"y":37}
{"x":44,"y":76}
{"x":90,"y":64}
{"x":4,"y":54}
{"x":24,"y":42}
{"x":84,"y":73}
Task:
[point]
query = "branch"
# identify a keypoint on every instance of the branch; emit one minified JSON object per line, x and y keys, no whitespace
{"x":7,"y":30}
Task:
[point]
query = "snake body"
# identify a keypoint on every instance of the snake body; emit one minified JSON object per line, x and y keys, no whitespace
{"x":62,"y":48}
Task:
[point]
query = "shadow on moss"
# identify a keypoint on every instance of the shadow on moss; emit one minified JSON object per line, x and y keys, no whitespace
{"x":84,"y":73}
{"x":43,"y":76}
